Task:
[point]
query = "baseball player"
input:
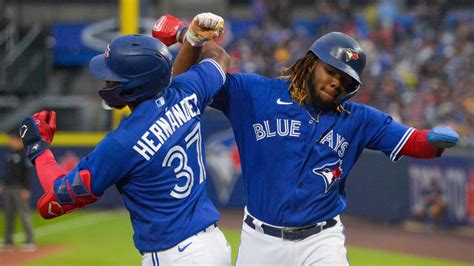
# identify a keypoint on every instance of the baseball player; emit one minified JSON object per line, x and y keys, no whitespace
{"x":298,"y":139}
{"x":155,"y":156}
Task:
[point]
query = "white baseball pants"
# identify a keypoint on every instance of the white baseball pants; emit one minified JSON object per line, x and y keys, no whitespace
{"x":325,"y":248}
{"x":205,"y":248}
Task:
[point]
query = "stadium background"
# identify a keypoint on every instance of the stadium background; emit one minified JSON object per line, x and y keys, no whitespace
{"x":420,"y":70}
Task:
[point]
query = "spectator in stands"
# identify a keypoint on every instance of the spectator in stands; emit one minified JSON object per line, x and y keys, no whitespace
{"x":259,"y":8}
{"x":16,"y":190}
{"x":432,"y":204}
{"x":280,"y":11}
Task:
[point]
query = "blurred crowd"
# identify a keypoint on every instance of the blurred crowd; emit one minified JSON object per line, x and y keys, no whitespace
{"x":420,"y":57}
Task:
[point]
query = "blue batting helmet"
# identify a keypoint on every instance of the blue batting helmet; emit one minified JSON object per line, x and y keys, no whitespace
{"x":342,"y":52}
{"x":141,"y":64}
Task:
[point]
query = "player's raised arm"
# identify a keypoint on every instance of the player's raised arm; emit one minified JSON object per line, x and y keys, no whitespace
{"x":60,"y":196}
{"x":197,"y":40}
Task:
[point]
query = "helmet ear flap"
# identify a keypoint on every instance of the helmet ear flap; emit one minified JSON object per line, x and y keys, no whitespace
{"x":112,"y":96}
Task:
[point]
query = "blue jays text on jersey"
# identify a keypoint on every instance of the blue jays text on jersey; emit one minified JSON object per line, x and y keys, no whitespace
{"x":295,"y":160}
{"x":163,"y":191}
{"x":282,"y":128}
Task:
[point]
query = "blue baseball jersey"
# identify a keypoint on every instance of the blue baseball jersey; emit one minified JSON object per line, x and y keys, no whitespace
{"x":156,"y":160}
{"x":295,"y":160}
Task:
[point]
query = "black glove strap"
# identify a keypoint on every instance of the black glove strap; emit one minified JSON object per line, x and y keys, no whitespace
{"x":32,"y":141}
{"x":34,"y":150}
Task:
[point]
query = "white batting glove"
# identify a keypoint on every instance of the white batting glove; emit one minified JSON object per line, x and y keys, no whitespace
{"x":203,"y":28}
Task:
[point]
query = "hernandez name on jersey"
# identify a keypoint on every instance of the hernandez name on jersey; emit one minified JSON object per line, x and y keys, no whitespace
{"x":163,"y":128}
{"x":155,"y":158}
{"x":295,"y":159}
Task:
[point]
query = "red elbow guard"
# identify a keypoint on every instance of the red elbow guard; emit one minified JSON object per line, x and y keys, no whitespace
{"x":417,"y":146}
{"x":67,"y":194}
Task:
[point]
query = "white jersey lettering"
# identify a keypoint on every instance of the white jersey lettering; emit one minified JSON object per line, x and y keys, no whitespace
{"x":268,"y":130}
{"x":286,"y":129}
{"x":279,"y":127}
{"x":160,"y":131}
{"x":143,"y":150}
{"x":295,"y":128}
{"x":341,"y":143}
{"x":259,"y":132}
{"x":328,"y":139}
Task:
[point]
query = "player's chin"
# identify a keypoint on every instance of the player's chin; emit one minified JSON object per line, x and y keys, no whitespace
{"x":324,"y":104}
{"x":327,"y":99}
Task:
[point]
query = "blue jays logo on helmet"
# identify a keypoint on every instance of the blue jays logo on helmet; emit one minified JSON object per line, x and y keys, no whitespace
{"x":330,"y":173}
{"x":351,"y":54}
{"x":140,"y":64}
{"x":223,"y":163}
{"x":107,"y":51}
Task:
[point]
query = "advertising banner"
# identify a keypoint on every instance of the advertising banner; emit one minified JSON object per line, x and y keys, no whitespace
{"x":441,"y":190}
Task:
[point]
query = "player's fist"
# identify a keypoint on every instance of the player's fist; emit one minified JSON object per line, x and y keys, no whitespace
{"x":37,"y":132}
{"x":46,"y":124}
{"x":203,"y":28}
{"x":169,"y":29}
{"x":442,"y":137}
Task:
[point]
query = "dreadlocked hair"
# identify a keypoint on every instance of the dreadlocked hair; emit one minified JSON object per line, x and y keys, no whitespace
{"x":298,"y":73}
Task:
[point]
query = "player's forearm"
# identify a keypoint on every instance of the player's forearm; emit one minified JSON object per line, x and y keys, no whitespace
{"x":62,"y":193}
{"x":187,"y":56}
{"x":48,"y":170}
{"x":217,"y":53}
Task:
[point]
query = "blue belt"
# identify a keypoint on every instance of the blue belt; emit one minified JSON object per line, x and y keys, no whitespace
{"x":291,"y":233}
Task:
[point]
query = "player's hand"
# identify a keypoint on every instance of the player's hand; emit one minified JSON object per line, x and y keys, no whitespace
{"x":46,"y":124}
{"x":37,"y":133}
{"x":442,"y":137}
{"x":203,"y":28}
{"x":169,"y":30}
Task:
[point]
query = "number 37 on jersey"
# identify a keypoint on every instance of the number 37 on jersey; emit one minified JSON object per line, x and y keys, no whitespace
{"x":182,"y":169}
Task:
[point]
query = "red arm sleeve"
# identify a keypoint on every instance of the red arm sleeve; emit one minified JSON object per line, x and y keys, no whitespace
{"x":48,"y":170}
{"x":417,"y":146}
